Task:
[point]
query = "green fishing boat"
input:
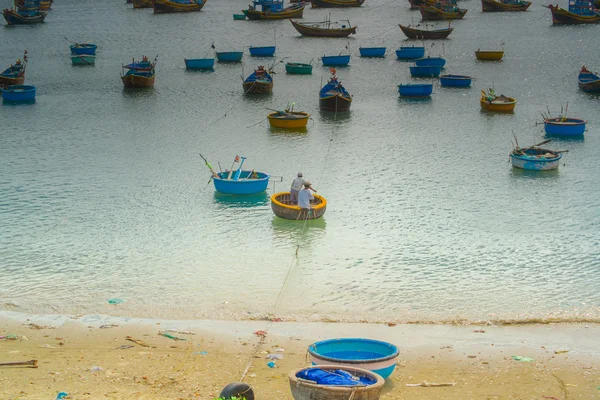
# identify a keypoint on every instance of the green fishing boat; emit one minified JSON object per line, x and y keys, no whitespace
{"x":83,"y":59}
{"x":298,"y":68}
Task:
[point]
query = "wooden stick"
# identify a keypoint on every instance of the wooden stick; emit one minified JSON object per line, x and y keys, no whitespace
{"x":137,"y":341}
{"x":31,"y":364}
{"x":427,"y":384}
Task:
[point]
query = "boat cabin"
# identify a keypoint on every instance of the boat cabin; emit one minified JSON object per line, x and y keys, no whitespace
{"x":267,"y":5}
{"x":582,"y":7}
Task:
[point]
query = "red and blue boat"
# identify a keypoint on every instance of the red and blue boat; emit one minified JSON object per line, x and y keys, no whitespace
{"x":588,"y":81}
{"x":15,"y":74}
{"x":140,"y":74}
{"x":333,"y":96}
{"x":259,"y":82}
{"x":579,"y":12}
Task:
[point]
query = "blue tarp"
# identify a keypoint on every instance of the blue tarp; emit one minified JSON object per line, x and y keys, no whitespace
{"x":333,"y":86}
{"x":336,"y":378}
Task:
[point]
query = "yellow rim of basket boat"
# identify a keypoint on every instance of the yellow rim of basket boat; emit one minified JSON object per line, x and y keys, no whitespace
{"x":280,"y":204}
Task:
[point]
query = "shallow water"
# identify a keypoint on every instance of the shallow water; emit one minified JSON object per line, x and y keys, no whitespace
{"x":103,"y":194}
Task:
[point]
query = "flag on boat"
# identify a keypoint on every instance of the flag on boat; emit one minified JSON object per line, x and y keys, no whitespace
{"x":237,"y":159}
{"x":332,"y":70}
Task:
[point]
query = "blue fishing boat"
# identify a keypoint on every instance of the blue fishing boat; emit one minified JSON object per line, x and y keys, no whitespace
{"x":372,"y":51}
{"x":569,"y":127}
{"x":415,"y":89}
{"x":589,"y":81}
{"x":425,"y":72}
{"x":258,"y":82}
{"x":265,"y":51}
{"x":83,"y":48}
{"x":333,"y":96}
{"x":199,"y":63}
{"x":273,"y":9}
{"x":579,"y":12}
{"x":535,"y":159}
{"x":410,"y":53}
{"x":19,"y":93}
{"x":455,"y":80}
{"x":336,"y":60}
{"x":431,"y":62}
{"x":29,"y":13}
{"x":229,"y":56}
{"x":372,"y":355}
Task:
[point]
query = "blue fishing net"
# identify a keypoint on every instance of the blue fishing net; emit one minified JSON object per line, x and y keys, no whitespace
{"x":336,"y":378}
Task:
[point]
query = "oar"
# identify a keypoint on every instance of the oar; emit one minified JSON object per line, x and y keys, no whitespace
{"x":542,"y":143}
{"x":209,"y":166}
{"x":239,"y":170}
{"x":231,"y":169}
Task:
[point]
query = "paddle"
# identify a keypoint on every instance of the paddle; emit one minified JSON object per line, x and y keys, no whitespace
{"x":236,"y":159}
{"x":239,"y":170}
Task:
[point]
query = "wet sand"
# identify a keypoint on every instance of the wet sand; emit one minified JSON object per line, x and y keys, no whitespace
{"x":477,"y":358}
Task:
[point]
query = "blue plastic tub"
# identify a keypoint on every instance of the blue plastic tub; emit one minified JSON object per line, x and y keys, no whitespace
{"x":410,"y":53}
{"x":564,"y":126}
{"x":425,"y":72}
{"x":243,"y":185}
{"x":455,"y":80}
{"x":415,"y":90}
{"x":373,"y":355}
{"x":336,"y":60}
{"x":19,"y":93}
{"x":200,"y":63}
{"x":431,"y":62}
{"x":267,"y":51}
{"x":230,"y":56}
{"x":372,"y":51}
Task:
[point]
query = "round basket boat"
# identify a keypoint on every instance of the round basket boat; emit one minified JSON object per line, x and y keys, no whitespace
{"x":284,"y":208}
{"x":308,"y":390}
{"x":373,"y":355}
{"x":289,"y":119}
{"x":249,"y":182}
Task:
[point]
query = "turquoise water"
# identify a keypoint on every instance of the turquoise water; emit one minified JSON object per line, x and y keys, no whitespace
{"x":103,"y":194}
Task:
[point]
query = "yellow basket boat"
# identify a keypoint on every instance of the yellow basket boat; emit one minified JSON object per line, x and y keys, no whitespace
{"x":289,"y":119}
{"x":283,"y":207}
{"x":489,"y":55}
{"x":500,"y":103}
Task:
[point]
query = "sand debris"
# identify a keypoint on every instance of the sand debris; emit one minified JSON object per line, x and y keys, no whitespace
{"x":137,"y":341}
{"x":430,"y":384}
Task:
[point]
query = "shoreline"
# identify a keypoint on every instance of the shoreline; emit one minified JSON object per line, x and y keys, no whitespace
{"x":215,"y":353}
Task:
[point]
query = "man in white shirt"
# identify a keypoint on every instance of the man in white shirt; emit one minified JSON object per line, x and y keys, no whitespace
{"x":296,"y":186}
{"x":305,"y":196}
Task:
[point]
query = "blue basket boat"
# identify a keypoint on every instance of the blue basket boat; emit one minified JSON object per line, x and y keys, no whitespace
{"x":410,"y":53}
{"x":199,"y":63}
{"x":455,"y":80}
{"x":230,"y":56}
{"x":425,"y":72}
{"x":336,"y":60}
{"x":18,"y":93}
{"x":372,"y":355}
{"x":83,"y":48}
{"x":415,"y":90}
{"x":372,"y":51}
{"x":570,"y":127}
{"x":266,"y":51}
{"x":246,"y":182}
{"x":431,"y":62}
{"x":535,"y":159}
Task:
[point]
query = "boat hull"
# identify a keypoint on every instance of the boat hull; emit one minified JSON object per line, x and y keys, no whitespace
{"x":561,"y":16}
{"x":564,"y":127}
{"x":336,"y":3}
{"x":415,"y":90}
{"x":425,"y":72}
{"x":410,"y":53}
{"x":83,"y":59}
{"x":142,"y":3}
{"x":282,"y":207}
{"x":242,"y":185}
{"x":489,"y":55}
{"x":258,"y":87}
{"x":498,"y":6}
{"x":322,"y":32}
{"x":377,"y":52}
{"x":455,"y":81}
{"x":298,"y":121}
{"x":295,"y":12}
{"x":298,"y":69}
{"x":423,"y":34}
{"x":19,"y":93}
{"x":14,"y":18}
{"x":590,"y":87}
{"x":230,"y":56}
{"x":166,"y":6}
{"x":6,"y":81}
{"x":137,"y":81}
{"x":335,"y":60}
{"x":533,"y":164}
{"x":335,"y":103}
{"x":199,"y":63}
{"x":504,"y":107}
{"x":267,"y":51}
{"x":430,"y":13}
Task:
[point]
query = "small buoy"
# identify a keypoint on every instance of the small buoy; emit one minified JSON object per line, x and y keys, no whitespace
{"x":237,"y":389}
{"x":343,"y":26}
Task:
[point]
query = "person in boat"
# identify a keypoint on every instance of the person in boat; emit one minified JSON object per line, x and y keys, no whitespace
{"x":297,"y":185}
{"x":305,"y":196}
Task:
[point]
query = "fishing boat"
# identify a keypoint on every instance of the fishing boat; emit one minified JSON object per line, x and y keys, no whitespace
{"x":336,"y":61}
{"x":441,"y":11}
{"x":264,"y":51}
{"x":504,"y":5}
{"x":410,"y":53}
{"x":15,"y":74}
{"x":298,"y":68}
{"x":333,"y":96}
{"x":579,"y":12}
{"x":283,"y":207}
{"x":172,"y":6}
{"x":18,"y":93}
{"x":273,"y":9}
{"x":43,"y":5}
{"x":460,"y":81}
{"x":324,"y":29}
{"x":258,"y":82}
{"x":83,"y":59}
{"x":374,"y":52}
{"x":139,"y":74}
{"x":199,"y":63}
{"x":415,"y":89}
{"x":431,"y":62}
{"x":425,"y":72}
{"x":238,"y":181}
{"x":289,"y":119}
{"x":335,"y":3}
{"x":535,"y":158}
{"x":588,"y":81}
{"x":562,"y":126}
{"x":426,"y":34}
{"x":314,"y":382}
{"x":142,"y":4}
{"x":83,"y":48}
{"x":229,"y":56}
{"x":490,"y":102}
{"x":489,"y":55}
{"x":29,"y":14}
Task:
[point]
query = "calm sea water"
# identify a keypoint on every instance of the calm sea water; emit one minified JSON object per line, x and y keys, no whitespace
{"x":103,"y":194}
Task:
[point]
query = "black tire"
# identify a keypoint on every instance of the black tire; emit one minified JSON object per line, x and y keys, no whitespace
{"x":237,"y":389}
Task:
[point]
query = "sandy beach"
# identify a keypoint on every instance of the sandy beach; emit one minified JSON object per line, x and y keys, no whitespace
{"x":90,"y":358}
